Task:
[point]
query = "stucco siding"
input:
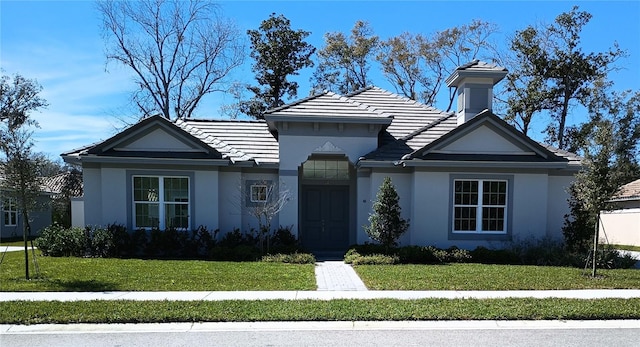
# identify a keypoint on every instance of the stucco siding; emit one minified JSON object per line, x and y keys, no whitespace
{"x":205,"y":202}
{"x":621,"y":227}
{"x":529,"y":209}
{"x":230,"y":214}
{"x":557,"y":205}
{"x":114,"y":196}
{"x":429,"y":224}
{"x":91,"y":178}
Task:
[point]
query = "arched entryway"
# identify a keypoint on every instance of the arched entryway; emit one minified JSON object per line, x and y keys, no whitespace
{"x":326,"y":187}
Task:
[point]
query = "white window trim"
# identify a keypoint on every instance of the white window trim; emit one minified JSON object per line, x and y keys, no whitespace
{"x":256,"y":186}
{"x":479,"y":207}
{"x":161,"y":203}
{"x":10,"y":208}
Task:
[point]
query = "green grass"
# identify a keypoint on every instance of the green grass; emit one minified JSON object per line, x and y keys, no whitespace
{"x":14,"y":243}
{"x":491,"y":277}
{"x":627,"y":247}
{"x":24,"y":312}
{"x":97,"y":274}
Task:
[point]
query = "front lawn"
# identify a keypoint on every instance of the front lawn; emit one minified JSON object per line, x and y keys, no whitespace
{"x":26,"y":312}
{"x":492,"y":277}
{"x":99,"y":274}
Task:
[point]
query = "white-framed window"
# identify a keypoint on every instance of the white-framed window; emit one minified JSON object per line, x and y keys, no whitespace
{"x":161,"y":202}
{"x":258,"y":193}
{"x":480,"y":206}
{"x":10,"y":212}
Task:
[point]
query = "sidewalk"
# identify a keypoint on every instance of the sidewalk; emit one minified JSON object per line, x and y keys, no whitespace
{"x":336,"y":280}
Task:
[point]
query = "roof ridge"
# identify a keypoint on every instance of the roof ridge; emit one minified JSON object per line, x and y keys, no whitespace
{"x":297,"y":102}
{"x":360,"y":105}
{"x":201,"y":120}
{"x":404,"y":98}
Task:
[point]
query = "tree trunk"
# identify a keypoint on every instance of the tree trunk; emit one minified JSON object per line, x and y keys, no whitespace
{"x":26,"y":231}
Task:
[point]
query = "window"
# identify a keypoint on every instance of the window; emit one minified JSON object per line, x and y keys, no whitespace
{"x":10,"y":211}
{"x":326,"y":169}
{"x":480,"y":206}
{"x":161,"y":202}
{"x":259,"y":193}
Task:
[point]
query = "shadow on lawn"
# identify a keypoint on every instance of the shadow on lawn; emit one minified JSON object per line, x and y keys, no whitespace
{"x":82,"y":286}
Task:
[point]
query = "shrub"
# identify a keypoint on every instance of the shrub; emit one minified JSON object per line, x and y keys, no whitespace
{"x":457,"y":255}
{"x":100,"y":242}
{"x":57,"y":241}
{"x":294,"y":258}
{"x":385,"y":223}
{"x":417,"y":255}
{"x":122,"y":244}
{"x":494,"y":256}
{"x":283,"y":241}
{"x":376,"y":259}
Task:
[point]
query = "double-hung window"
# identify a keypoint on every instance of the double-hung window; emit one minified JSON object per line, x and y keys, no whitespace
{"x":161,"y":202}
{"x":480,"y":206}
{"x":10,"y":211}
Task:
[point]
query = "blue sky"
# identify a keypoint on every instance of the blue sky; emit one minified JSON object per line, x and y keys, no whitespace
{"x":59,"y":43}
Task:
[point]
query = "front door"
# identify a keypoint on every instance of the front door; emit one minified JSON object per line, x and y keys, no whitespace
{"x":325,"y":218}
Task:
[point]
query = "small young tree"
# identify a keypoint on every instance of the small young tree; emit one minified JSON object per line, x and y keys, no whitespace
{"x":264,"y":200}
{"x":385,"y":223}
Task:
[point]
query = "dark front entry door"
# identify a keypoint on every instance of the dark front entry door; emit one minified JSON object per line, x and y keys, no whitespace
{"x":325,"y":218}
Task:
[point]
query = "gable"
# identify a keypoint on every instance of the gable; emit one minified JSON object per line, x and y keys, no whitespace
{"x":156,"y":140}
{"x":484,"y":139}
{"x":155,"y":137}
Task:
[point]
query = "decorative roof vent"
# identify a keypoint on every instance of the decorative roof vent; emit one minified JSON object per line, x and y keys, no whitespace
{"x":475,"y":81}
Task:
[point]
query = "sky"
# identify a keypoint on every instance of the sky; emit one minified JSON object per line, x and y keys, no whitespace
{"x":60,"y":44}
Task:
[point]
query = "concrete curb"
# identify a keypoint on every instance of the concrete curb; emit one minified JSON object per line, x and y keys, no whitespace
{"x":319,"y":295}
{"x":314,"y":325}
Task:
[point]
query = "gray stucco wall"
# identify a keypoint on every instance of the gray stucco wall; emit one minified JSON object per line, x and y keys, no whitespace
{"x":536,"y":211}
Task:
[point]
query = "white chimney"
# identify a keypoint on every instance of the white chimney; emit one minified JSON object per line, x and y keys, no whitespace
{"x":475,"y":81}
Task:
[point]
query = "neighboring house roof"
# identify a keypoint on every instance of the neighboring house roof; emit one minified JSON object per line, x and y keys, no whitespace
{"x":69,"y":181}
{"x":629,"y":191}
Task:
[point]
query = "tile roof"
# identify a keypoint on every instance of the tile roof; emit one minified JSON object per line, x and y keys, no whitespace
{"x":408,"y":115}
{"x":327,"y":104}
{"x":70,"y":181}
{"x":629,"y":191}
{"x":413,"y":125}
{"x":237,"y":140}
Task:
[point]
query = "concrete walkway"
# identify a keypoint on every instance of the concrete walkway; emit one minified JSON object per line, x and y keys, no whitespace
{"x":337,"y":276}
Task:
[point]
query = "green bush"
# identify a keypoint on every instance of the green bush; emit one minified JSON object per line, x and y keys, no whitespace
{"x":294,"y":258}
{"x":376,"y":259}
{"x":100,"y":242}
{"x":386,"y":224}
{"x":494,"y":256}
{"x":57,"y":241}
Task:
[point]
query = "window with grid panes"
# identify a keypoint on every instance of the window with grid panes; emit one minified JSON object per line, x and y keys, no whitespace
{"x":161,"y":202}
{"x":480,"y":206}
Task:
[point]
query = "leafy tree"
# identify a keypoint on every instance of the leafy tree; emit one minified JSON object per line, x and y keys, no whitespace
{"x":386,"y":224}
{"x":554,"y":71}
{"x":343,"y":63}
{"x":20,"y":166}
{"x":526,"y":88}
{"x":278,"y":52}
{"x":179,"y":51}
{"x":18,"y":97}
{"x":417,"y":65}
{"x":609,"y":145}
